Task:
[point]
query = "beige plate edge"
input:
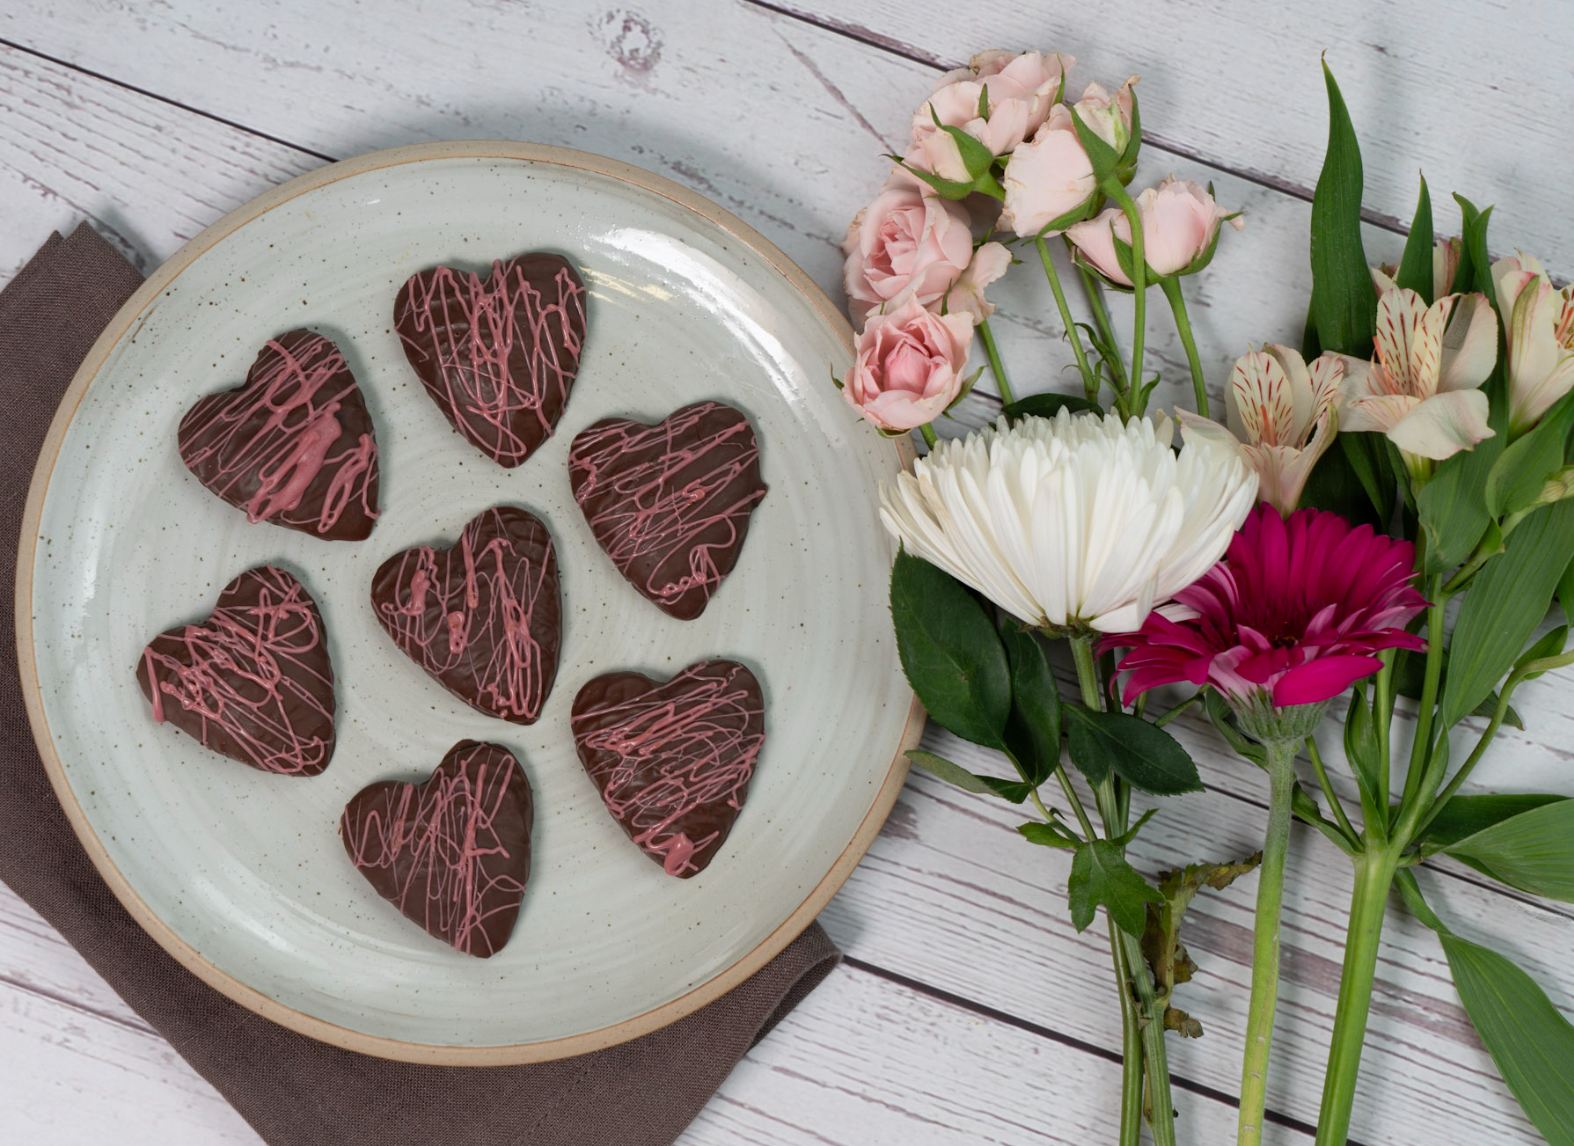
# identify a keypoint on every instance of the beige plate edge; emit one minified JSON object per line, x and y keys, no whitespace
{"x":183,"y":952}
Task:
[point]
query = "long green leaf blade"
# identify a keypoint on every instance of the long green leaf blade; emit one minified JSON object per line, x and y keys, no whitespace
{"x":1533,"y":851}
{"x":1528,"y":1038}
{"x":1344,"y":306}
{"x":1505,"y":603}
{"x":1415,"y":268}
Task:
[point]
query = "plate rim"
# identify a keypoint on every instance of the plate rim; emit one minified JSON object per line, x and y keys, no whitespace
{"x":32,"y":692}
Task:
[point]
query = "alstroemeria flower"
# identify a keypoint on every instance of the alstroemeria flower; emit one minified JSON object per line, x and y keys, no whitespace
{"x":1540,"y":338}
{"x":1284,"y":414}
{"x":1421,"y":389}
{"x":1073,"y":521}
{"x":1295,"y":614}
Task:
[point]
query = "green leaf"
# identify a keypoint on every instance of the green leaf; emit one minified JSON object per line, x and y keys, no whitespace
{"x":1466,"y":815}
{"x":1415,"y":268}
{"x":1505,"y":603}
{"x":1369,"y":462}
{"x":1566,"y":592}
{"x":1533,"y":851}
{"x":1361,"y":748}
{"x":1101,"y":155}
{"x":1453,"y":505}
{"x":1344,"y":305}
{"x":1046,"y":835}
{"x":1014,"y":791}
{"x":1100,"y":875}
{"x":1548,"y":648}
{"x":951,"y":773}
{"x":950,"y":651}
{"x":1474,"y":235}
{"x":1147,"y":758}
{"x":1337,"y":485}
{"x":947,"y":188}
{"x":1528,"y":1038}
{"x":1046,"y":406}
{"x":983,"y":102}
{"x":1410,"y":678}
{"x":1033,"y":728}
{"x":1517,"y":477}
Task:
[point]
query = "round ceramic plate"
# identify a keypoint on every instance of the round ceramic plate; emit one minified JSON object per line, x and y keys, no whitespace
{"x":241,"y":875}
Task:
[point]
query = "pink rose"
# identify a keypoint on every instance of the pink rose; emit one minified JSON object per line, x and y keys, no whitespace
{"x":1051,"y":176}
{"x":907,"y":243}
{"x":1021,"y":90}
{"x":909,"y":366}
{"x":1180,"y":222}
{"x":966,"y":296}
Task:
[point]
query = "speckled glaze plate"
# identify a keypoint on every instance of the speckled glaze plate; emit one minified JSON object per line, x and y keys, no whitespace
{"x":241,"y":875}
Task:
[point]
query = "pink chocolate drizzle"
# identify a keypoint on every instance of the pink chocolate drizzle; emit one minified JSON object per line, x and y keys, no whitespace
{"x":454,"y":853}
{"x":269,"y":445}
{"x":254,"y":680}
{"x":498,"y":355}
{"x":483,"y":616}
{"x":670,"y":503}
{"x":673,"y":760}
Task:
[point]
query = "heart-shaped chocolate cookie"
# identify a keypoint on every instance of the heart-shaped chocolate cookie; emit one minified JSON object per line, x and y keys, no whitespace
{"x":453,"y":853}
{"x":670,"y":503}
{"x":483,"y":617}
{"x":253,"y":681}
{"x":673,"y":760}
{"x":498,"y":355}
{"x":294,"y":445}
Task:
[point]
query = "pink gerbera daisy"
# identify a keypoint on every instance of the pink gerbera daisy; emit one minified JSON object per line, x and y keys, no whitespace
{"x":1294,"y":614}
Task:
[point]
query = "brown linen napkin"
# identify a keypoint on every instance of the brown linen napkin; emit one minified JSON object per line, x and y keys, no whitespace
{"x":293,"y":1090}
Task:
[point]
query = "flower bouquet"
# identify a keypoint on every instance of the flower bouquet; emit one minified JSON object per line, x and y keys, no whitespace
{"x":1382,"y":519}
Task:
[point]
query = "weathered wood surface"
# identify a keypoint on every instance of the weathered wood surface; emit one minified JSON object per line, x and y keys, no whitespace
{"x":971,"y":1011}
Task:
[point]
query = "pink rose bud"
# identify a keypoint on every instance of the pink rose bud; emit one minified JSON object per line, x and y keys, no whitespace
{"x":1050,"y":179}
{"x":907,"y":243}
{"x":1180,"y":225}
{"x":1020,"y":90}
{"x":909,"y":366}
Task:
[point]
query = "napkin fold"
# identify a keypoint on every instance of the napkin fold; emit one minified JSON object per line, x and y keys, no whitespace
{"x":293,"y":1090}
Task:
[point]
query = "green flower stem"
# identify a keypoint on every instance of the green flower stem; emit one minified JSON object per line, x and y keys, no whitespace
{"x":1265,"y":942}
{"x":1172,"y":291}
{"x":1374,"y":877}
{"x":1469,"y":765}
{"x":1095,"y":295}
{"x":1130,"y":964}
{"x":1422,"y":747}
{"x":1090,"y":382}
{"x":1139,"y":287}
{"x":1130,"y":1045}
{"x":996,"y":367}
{"x":1328,"y":790}
{"x":928,"y":432}
{"x":1382,"y":717}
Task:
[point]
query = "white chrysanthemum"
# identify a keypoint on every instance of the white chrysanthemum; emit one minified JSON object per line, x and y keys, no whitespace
{"x":1073,"y":520}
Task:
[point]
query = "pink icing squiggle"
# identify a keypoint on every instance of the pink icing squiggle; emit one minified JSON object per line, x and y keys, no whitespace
{"x":679,"y":492}
{"x":503,"y":348}
{"x":435,"y":843}
{"x":248,"y":673}
{"x":471,"y":612}
{"x":278,"y":430}
{"x":677,"y":749}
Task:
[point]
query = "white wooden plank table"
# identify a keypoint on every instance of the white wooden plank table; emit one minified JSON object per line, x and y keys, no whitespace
{"x":968,"y":1010}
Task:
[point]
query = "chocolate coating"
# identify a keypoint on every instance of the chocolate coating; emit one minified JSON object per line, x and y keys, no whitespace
{"x":670,"y":503}
{"x":293,"y":445}
{"x":253,"y":681}
{"x":498,"y":355}
{"x":452,"y":854}
{"x":673,"y":759}
{"x":483,"y":617}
